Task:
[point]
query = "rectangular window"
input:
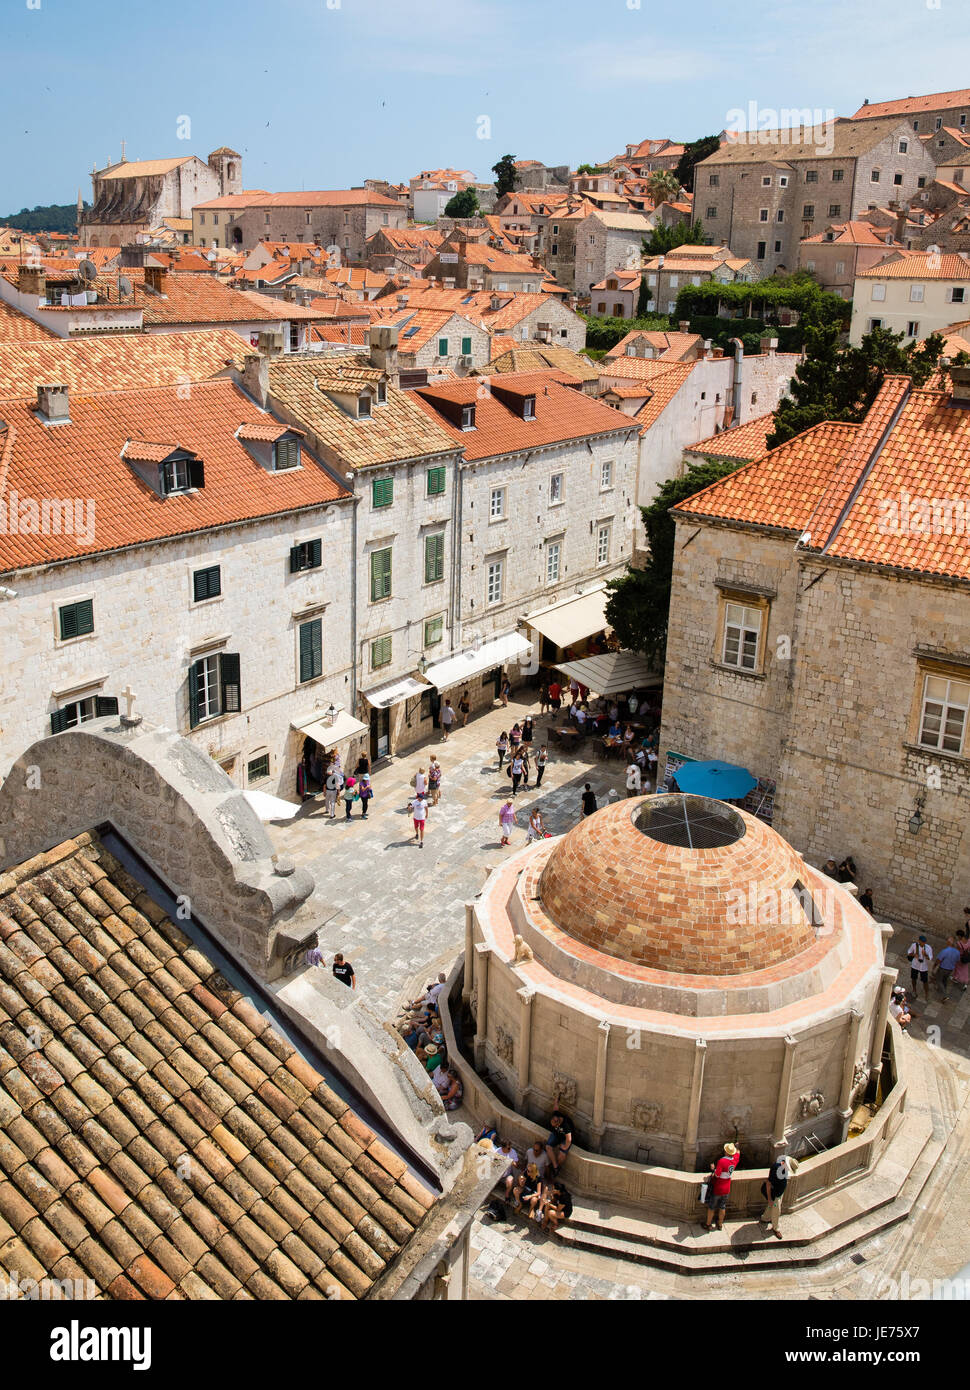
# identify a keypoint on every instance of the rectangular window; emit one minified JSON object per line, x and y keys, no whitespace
{"x":943,"y":720}
{"x":76,"y":619}
{"x":434,"y":630}
{"x":782,"y":180}
{"x":436,"y":481}
{"x":257,"y":769}
{"x":835,"y":209}
{"x":175,"y":476}
{"x":496,"y":504}
{"x":763,"y":215}
{"x":493,"y":590}
{"x":214,"y":687}
{"x":742,"y":631}
{"x":468,"y":417}
{"x":912,"y":329}
{"x":555,"y":488}
{"x":206,"y":583}
{"x":762,"y":250}
{"x":286,"y":453}
{"x":442,"y":347}
{"x":606,"y":475}
{"x":766,"y":181}
{"x":838,"y":175}
{"x":380,"y":574}
{"x":380,"y":652}
{"x":780,"y":215}
{"x":777,"y":248}
{"x":466,"y":347}
{"x":916,"y":294}
{"x":874,"y":323}
{"x":308,"y":555}
{"x":921,"y":181}
{"x":434,"y":557}
{"x":711,"y":213}
{"x":363,"y":407}
{"x":603,"y":544}
{"x":897,"y":180}
{"x":879,"y":292}
{"x":873,"y":175}
{"x":382,"y":492}
{"x":80,"y":711}
{"x":311,"y":650}
{"x":840,"y":267}
{"x":956,"y":295}
{"x":713,"y":180}
{"x":808,"y":211}
{"x":811,"y":176}
{"x":553,"y":561}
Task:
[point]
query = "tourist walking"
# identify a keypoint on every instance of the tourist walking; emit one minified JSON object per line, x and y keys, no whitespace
{"x":464,"y":707}
{"x":528,"y":732}
{"x":434,"y":780}
{"x":555,"y":695}
{"x":505,"y":691}
{"x":633,"y":779}
{"x":719,"y":1185}
{"x":506,"y":820}
{"x":333,"y":789}
{"x":946,"y":963}
{"x":350,"y":795}
{"x":447,"y":717}
{"x":542,"y":758}
{"x":363,"y":765}
{"x":419,"y":814}
{"x":516,"y":768}
{"x":526,"y":765}
{"x":544,"y":702}
{"x":515,"y":736}
{"x":589,"y":800}
{"x":773,"y":1191}
{"x":961,"y":972}
{"x":920,"y":959}
{"x":366,"y":794}
{"x":344,"y":971}
{"x":502,"y":744}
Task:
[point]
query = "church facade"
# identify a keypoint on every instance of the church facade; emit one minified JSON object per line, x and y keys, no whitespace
{"x":133,"y":196}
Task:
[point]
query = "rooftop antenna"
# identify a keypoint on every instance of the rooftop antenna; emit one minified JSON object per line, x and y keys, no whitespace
{"x":124,"y":286}
{"x":87,"y":270}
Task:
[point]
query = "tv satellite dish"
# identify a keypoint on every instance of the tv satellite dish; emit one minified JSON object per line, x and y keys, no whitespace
{"x":87,"y":270}
{"x":124,"y":285}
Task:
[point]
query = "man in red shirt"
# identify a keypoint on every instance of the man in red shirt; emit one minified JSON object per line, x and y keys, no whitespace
{"x":719,"y":1184}
{"x":555,"y":695}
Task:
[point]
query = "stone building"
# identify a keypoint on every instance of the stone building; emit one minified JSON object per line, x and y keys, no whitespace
{"x":925,"y":114}
{"x":132,"y":197}
{"x":819,"y":631}
{"x":343,"y":218}
{"x":583,"y":246}
{"x":836,"y":256}
{"x":693,"y":265}
{"x":915,"y":293}
{"x":764,"y":191}
{"x":177,"y":542}
{"x":189,"y":1107}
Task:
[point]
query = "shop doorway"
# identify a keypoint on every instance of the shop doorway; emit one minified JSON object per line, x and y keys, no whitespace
{"x":380,"y":733}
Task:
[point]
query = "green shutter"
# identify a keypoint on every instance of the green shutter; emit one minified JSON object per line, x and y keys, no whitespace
{"x":380,"y":652}
{"x":433,"y":631}
{"x":105,"y":705}
{"x":466,"y":347}
{"x":229,"y":677}
{"x":193,"y":695}
{"x":436,"y":481}
{"x":383,"y":492}
{"x":380,"y":574}
{"x":58,"y":721}
{"x":76,"y":619}
{"x":207,"y":583}
{"x":434,"y":557}
{"x":311,"y":649}
{"x":315,"y":554}
{"x":442,"y":347}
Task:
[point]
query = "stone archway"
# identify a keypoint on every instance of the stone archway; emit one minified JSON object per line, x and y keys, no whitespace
{"x":94,"y":241}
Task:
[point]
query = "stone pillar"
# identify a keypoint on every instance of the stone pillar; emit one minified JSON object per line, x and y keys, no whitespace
{"x":888,"y":979}
{"x":599,"y":1086}
{"x":468,"y":980}
{"x":848,"y":1071}
{"x":481,"y":954}
{"x":523,"y":1067}
{"x":778,"y":1140}
{"x":689,"y":1159}
{"x":886,"y":930}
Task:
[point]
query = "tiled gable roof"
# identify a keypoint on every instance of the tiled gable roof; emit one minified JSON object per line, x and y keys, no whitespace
{"x":121,"y":362}
{"x":561,"y":413}
{"x":902,"y":106}
{"x":158,"y":1136}
{"x":16,"y":328}
{"x":84,"y":459}
{"x":203,"y":299}
{"x":670,"y":346}
{"x":662,"y":390}
{"x":838,"y":139}
{"x":920,"y":265}
{"x":537,"y":357}
{"x":747,"y":441}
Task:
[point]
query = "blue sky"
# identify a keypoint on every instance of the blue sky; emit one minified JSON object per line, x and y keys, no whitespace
{"x":325,"y":93}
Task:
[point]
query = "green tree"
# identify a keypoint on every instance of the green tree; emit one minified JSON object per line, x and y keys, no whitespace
{"x":662,"y":186}
{"x":664,"y":239}
{"x":644,"y":298}
{"x":463,"y":204}
{"x":588,"y":169}
{"x":639,"y":602}
{"x":505,"y":175}
{"x":54,"y":217}
{"x":694,"y":152}
{"x":839,"y":382}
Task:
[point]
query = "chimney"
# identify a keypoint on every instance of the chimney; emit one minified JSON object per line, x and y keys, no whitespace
{"x":32,"y":280}
{"x":383,"y":351}
{"x":155,"y":279}
{"x":402,"y":299}
{"x":448,"y":282}
{"x":960,"y":383}
{"x":255,"y":377}
{"x":899,"y":230}
{"x":684,"y":326}
{"x":53,"y":403}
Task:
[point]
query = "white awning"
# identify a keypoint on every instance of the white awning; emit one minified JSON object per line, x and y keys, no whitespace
{"x":454,"y":670}
{"x":612,"y":672}
{"x":317,"y":726}
{"x":573,"y":618}
{"x":269,"y":807}
{"x":393,"y":692}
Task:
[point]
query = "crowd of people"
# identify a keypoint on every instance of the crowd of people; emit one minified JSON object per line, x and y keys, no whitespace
{"x":420,"y":1027}
{"x":530,"y":1184}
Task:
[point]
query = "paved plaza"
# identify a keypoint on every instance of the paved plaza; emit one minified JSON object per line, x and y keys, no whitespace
{"x":398,"y":915}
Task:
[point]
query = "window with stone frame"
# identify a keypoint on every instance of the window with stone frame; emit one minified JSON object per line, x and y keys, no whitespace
{"x":742,"y":630}
{"x":944,"y":706}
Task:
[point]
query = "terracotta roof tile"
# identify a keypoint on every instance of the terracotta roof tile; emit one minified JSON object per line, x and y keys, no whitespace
{"x":747,"y":441}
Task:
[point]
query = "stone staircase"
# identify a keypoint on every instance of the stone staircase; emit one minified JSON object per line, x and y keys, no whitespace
{"x":846,"y":1216}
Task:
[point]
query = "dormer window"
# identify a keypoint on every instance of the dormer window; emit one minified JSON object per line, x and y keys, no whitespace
{"x":286,"y":454}
{"x":468,"y":417}
{"x":529,"y":408}
{"x":382,"y":393}
{"x":364,"y":407}
{"x":175,"y":476}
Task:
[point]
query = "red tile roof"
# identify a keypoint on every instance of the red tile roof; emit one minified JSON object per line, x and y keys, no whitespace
{"x":16,"y":327}
{"x":315,"y":198}
{"x":122,"y":361}
{"x":920,"y":265}
{"x":561,"y":413}
{"x":84,"y":459}
{"x":902,"y":106}
{"x":747,"y":441}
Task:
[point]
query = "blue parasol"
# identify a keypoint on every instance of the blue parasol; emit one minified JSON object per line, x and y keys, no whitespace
{"x":725,"y":781}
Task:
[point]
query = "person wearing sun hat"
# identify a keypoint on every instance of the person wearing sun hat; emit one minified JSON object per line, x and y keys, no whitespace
{"x":773,"y":1190}
{"x":719,"y":1184}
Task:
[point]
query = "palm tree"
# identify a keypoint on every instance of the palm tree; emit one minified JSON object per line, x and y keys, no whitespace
{"x":662,"y":187}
